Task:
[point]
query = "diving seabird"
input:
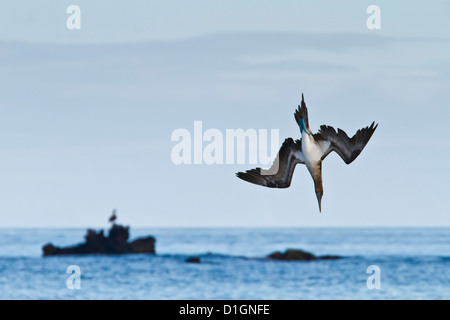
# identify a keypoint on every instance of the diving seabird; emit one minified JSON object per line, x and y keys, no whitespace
{"x":310,"y":150}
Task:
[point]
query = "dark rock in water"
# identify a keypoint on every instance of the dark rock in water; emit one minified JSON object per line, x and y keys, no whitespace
{"x":292,"y":255}
{"x":298,"y":255}
{"x":97,"y":243}
{"x":143,"y":245}
{"x":329,"y":257}
{"x":193,"y":260}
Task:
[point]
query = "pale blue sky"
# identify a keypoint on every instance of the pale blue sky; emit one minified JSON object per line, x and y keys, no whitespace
{"x":112,"y":21}
{"x":86,"y":116}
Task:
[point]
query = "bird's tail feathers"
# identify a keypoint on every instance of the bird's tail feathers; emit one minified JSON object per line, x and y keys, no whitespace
{"x":302,"y":113}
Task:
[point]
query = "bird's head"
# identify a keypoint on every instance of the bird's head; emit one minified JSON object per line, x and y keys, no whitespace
{"x":319,"y":199}
{"x":318,"y":186}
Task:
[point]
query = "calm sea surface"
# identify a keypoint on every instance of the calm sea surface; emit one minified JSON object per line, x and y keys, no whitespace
{"x":414,"y":264}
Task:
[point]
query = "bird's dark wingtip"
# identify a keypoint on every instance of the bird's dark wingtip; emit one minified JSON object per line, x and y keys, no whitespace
{"x":373,"y":126}
{"x":242,"y":175}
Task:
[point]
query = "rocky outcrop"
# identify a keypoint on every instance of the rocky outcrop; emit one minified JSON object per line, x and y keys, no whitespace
{"x":97,"y":243}
{"x":298,"y":255}
{"x":193,"y":260}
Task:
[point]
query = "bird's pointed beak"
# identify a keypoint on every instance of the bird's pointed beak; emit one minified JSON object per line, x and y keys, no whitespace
{"x":319,"y":200}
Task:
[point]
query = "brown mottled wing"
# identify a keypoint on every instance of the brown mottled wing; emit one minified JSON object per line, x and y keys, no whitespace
{"x":348,"y":148}
{"x":280,"y":173}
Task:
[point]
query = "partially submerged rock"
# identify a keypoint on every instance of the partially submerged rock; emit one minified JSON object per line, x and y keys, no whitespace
{"x":96,"y":243}
{"x":298,"y":255}
{"x":193,"y":260}
{"x":327,"y":257}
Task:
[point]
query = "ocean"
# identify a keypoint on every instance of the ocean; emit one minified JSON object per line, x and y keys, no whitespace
{"x":414,"y":263}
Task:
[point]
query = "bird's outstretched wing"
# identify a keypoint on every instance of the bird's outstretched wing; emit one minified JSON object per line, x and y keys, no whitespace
{"x":347,"y":148}
{"x":280,"y":173}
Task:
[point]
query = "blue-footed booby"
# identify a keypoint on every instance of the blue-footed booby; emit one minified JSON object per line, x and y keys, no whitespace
{"x":310,"y":150}
{"x":113,"y":217}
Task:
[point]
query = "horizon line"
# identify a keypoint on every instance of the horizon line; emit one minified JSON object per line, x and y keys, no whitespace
{"x":232,"y":227}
